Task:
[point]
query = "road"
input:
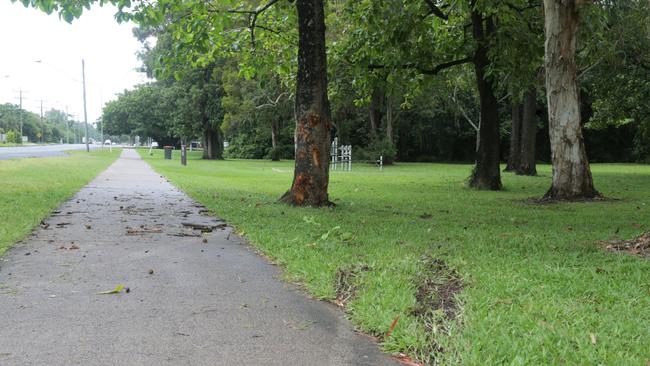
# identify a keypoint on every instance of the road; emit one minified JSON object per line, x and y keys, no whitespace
{"x":198,"y":294}
{"x":39,"y":151}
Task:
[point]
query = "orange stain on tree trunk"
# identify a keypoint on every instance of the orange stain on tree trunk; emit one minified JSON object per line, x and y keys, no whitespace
{"x":315,"y":156}
{"x":314,"y":120}
{"x":300,"y":186}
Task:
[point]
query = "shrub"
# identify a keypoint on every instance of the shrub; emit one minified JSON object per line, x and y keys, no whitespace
{"x":14,"y":137}
{"x":381,"y":147}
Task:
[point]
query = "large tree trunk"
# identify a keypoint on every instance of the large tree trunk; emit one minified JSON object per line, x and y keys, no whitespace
{"x":375,"y":111}
{"x":486,"y":174}
{"x":212,"y":143}
{"x":514,"y":157}
{"x":313,"y":124}
{"x":571,"y":174}
{"x":527,"y":165}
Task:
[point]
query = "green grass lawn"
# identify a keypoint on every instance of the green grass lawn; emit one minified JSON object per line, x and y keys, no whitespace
{"x":31,"y":188}
{"x":537,"y":287}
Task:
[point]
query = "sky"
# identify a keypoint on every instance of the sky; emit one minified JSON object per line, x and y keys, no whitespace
{"x":28,"y":36}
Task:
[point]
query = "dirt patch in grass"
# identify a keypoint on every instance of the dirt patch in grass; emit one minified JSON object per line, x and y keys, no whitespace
{"x":639,"y":246}
{"x":346,"y":283}
{"x":436,"y":295}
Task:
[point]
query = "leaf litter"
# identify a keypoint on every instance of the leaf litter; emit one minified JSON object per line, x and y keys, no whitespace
{"x":639,"y":246}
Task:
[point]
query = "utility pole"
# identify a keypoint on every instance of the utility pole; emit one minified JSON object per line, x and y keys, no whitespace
{"x":67,"y":129}
{"x":42,"y":125}
{"x":83,"y":78}
{"x":101,"y":119}
{"x":21,"y":116}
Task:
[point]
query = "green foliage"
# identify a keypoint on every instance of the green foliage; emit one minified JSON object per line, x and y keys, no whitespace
{"x":14,"y":137}
{"x":381,"y":147}
{"x":618,"y":78}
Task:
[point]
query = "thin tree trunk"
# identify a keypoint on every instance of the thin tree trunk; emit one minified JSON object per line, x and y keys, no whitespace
{"x":375,"y":111}
{"x":571,"y":173}
{"x":527,"y":164}
{"x":313,"y":122}
{"x":486,"y":174}
{"x":389,"y":119}
{"x":274,"y":141}
{"x":274,"y":134}
{"x":514,"y":158}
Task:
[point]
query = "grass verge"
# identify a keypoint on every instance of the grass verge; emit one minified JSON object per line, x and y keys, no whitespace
{"x":536,"y":286}
{"x":31,"y":188}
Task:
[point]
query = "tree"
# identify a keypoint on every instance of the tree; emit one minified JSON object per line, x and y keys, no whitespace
{"x":571,"y":173}
{"x":313,"y":122}
{"x":425,"y":38}
{"x":514,"y":157}
{"x":526,"y":164}
{"x":199,"y":30}
{"x":195,"y":92}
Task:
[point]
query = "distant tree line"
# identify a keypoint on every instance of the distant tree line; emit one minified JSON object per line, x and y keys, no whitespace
{"x":55,"y":127}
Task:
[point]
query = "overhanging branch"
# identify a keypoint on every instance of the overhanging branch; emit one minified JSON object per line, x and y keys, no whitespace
{"x":252,"y":17}
{"x":432,"y":71}
{"x":435,"y":10}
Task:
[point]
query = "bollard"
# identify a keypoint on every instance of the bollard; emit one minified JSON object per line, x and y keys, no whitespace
{"x":183,"y":154}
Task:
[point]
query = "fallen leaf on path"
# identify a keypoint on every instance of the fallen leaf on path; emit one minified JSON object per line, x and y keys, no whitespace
{"x":406,"y":360}
{"x":116,"y":290}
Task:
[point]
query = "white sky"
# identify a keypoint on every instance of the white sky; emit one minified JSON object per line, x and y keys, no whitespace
{"x":28,"y":35}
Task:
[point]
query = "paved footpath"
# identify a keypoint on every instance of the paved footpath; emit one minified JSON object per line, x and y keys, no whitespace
{"x":194,"y":299}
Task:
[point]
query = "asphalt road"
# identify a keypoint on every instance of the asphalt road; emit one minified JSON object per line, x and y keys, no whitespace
{"x":194,"y":298}
{"x":39,"y":151}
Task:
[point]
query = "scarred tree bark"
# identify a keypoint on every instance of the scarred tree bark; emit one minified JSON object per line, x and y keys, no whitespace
{"x":571,"y":173}
{"x":313,"y":122}
{"x":527,"y":164}
{"x":486,"y":174}
{"x":515,"y":139}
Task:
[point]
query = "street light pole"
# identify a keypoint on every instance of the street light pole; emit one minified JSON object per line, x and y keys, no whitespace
{"x":42,"y":124}
{"x":83,"y":78}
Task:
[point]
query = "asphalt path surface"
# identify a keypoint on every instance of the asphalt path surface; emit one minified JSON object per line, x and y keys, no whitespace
{"x":194,"y":298}
{"x":39,"y":151}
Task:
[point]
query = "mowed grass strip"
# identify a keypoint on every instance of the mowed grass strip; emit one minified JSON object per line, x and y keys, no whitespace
{"x":31,"y":188}
{"x":538,"y":289}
